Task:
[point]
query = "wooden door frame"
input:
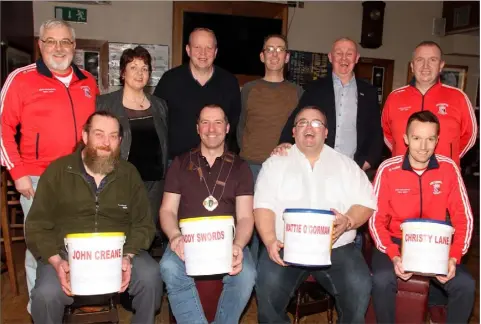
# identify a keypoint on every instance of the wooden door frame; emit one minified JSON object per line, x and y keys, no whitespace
{"x":388,"y":77}
{"x":239,"y":8}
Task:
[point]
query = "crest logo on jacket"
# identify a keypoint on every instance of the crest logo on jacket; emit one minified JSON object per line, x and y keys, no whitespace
{"x":436,"y":187}
{"x":442,"y":108}
{"x":86,"y":90}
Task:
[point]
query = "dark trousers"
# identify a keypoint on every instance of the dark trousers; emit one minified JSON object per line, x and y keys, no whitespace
{"x":49,"y":300}
{"x":348,"y":280}
{"x":155,"y":191}
{"x":460,"y":291}
{"x":255,"y":242}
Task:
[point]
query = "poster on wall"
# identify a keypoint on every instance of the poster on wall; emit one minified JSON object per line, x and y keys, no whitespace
{"x":378,"y":82}
{"x":306,"y":66}
{"x":79,"y":59}
{"x":160,"y":61}
{"x":89,"y":61}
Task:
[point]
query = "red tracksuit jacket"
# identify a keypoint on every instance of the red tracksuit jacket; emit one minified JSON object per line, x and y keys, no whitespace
{"x":449,"y":104}
{"x":403,"y":194}
{"x":50,"y":114}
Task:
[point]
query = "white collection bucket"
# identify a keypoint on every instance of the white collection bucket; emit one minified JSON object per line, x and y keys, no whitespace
{"x":308,"y":236}
{"x":95,"y":261}
{"x":425,"y":246}
{"x":208,"y":244}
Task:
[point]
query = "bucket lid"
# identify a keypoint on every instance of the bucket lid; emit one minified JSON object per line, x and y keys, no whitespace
{"x":198,"y":219}
{"x":90,"y":235}
{"x":311,"y":211}
{"x":424,"y":220}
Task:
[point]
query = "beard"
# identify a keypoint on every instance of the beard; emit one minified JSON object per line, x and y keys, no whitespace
{"x":59,"y":66}
{"x":101,"y":164}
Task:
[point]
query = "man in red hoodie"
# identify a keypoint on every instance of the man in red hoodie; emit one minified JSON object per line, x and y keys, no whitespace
{"x":426,"y":92}
{"x":50,"y":99}
{"x":420,"y":184}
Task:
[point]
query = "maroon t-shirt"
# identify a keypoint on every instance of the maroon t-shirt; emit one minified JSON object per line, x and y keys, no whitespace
{"x":183,"y":178}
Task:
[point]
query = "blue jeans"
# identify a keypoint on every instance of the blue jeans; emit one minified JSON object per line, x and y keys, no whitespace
{"x":30,"y":262}
{"x":255,"y":242}
{"x":348,"y":280}
{"x":184,"y":299}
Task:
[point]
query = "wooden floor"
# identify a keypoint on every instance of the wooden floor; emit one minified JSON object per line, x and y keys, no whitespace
{"x":14,"y":307}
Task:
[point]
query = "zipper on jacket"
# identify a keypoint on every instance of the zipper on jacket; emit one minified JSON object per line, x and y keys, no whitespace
{"x":73,"y":113}
{"x":96,"y":211}
{"x":95,"y":192}
{"x":423,"y":95}
{"x":421,"y":196}
{"x":36,"y":146}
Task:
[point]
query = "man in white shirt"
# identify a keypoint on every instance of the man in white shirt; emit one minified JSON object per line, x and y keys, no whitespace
{"x":314,"y":176}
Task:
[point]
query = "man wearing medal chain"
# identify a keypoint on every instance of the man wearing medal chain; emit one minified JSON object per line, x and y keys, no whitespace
{"x":208,"y":181}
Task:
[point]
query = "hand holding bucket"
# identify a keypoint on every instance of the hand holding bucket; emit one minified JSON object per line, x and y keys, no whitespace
{"x":177,"y":246}
{"x":451,"y":271}
{"x":342,"y":223}
{"x":126,"y":274}
{"x":63,"y":273}
{"x":237,"y":257}
{"x":399,"y":269}
{"x":273,"y":249}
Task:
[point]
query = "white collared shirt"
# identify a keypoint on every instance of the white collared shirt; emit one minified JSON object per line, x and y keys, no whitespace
{"x":289,"y":181}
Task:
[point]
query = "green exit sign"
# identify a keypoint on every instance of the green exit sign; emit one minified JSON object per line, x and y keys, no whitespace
{"x":78,"y":15}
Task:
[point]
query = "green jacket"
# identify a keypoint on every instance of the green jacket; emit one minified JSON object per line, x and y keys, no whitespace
{"x":66,"y":203}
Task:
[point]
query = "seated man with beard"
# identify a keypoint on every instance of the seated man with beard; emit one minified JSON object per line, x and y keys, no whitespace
{"x":92,"y":190}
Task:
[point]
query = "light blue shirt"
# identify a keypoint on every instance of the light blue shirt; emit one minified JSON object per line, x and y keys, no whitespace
{"x":346,"y":116}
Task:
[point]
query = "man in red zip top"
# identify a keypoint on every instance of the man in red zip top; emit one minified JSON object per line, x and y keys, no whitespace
{"x":50,"y":99}
{"x":420,"y":184}
{"x":426,"y":92}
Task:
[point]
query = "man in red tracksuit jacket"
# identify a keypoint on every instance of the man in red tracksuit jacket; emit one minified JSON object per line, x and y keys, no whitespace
{"x":420,"y":184}
{"x":51,"y":101}
{"x":426,"y":92}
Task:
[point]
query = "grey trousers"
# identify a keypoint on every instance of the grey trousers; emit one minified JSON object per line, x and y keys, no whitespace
{"x":49,"y":300}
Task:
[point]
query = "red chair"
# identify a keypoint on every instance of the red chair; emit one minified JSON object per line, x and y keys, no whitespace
{"x":412,"y":295}
{"x":209,"y":289}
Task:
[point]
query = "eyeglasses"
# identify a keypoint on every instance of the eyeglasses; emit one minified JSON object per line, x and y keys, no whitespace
{"x":316,"y":123}
{"x":272,"y":49}
{"x":50,"y":42}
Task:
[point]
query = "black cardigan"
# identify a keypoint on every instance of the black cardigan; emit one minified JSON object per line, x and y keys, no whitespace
{"x":112,"y":102}
{"x":369,"y":131}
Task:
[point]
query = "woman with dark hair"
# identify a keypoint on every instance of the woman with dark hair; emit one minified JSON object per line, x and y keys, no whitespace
{"x":144,"y":122}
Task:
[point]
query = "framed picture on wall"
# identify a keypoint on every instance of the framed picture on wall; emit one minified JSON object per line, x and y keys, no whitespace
{"x":453,"y":75}
{"x":16,"y":58}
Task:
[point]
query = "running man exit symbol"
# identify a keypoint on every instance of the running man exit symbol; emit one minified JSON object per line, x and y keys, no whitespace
{"x":78,"y":15}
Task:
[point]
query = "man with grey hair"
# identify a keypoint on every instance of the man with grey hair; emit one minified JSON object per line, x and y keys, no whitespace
{"x":351,"y":106}
{"x":50,"y":99}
